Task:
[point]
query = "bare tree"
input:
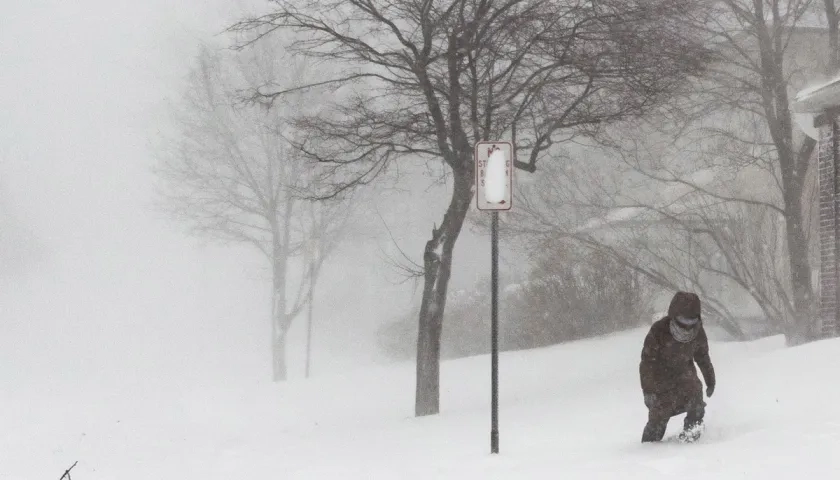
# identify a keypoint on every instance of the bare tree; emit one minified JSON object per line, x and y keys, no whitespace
{"x":230,"y":173}
{"x":734,"y":229}
{"x":742,"y":167}
{"x":328,"y":223}
{"x":758,"y":66}
{"x":660,"y":242}
{"x":753,"y":66}
{"x":430,"y":78}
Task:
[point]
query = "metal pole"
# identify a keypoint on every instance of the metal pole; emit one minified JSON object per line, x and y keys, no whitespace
{"x":494,"y":333}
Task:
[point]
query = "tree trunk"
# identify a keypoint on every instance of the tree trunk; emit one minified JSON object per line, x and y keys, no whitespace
{"x":799,"y":328}
{"x":280,"y":321}
{"x":833,"y":37}
{"x":278,"y":350}
{"x":793,"y":170}
{"x":310,"y":307}
{"x":437,"y":260}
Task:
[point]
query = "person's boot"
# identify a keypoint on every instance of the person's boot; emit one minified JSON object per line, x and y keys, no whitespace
{"x":654,"y":431}
{"x":693,"y":426}
{"x":692,"y":432}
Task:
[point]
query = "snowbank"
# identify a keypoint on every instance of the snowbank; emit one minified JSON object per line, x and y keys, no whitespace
{"x":572,"y":412}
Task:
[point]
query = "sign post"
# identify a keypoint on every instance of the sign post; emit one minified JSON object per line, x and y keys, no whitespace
{"x":494,"y":192}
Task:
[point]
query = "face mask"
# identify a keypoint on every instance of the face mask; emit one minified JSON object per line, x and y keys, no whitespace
{"x":684,"y":329}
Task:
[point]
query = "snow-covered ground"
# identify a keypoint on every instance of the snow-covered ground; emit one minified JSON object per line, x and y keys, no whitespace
{"x":571,"y":412}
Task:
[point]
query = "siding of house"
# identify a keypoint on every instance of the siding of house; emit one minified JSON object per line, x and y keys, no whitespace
{"x":829,"y":202}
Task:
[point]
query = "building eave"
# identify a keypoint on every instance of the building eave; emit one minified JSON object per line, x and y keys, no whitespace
{"x":818,"y":99}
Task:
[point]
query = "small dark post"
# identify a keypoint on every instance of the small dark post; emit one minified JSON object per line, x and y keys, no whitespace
{"x":494,"y":334}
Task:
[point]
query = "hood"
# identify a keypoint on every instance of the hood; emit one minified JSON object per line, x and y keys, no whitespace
{"x":684,"y":304}
{"x":684,"y":313}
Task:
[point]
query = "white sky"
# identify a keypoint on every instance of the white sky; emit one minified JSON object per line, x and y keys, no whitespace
{"x":120,"y":295}
{"x":80,"y":84}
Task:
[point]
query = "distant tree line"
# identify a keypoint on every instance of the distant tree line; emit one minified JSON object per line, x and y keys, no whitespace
{"x":569,"y":293}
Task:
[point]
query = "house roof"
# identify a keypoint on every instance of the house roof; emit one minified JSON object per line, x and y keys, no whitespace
{"x":819,"y":97}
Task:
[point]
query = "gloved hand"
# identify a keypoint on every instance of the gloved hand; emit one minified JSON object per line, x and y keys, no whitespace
{"x":650,"y":400}
{"x":710,"y":389}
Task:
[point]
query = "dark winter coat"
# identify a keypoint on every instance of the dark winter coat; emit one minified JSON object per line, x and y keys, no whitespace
{"x":667,"y":367}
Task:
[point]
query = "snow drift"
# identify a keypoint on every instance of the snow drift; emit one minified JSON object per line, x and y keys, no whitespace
{"x":572,"y":411}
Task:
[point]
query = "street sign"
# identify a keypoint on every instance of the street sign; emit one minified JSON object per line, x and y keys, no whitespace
{"x":493,"y":175}
{"x":493,"y":192}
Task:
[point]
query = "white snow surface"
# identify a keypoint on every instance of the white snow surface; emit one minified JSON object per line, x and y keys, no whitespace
{"x":573,"y":411}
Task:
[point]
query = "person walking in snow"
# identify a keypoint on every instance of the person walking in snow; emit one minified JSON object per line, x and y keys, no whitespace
{"x":669,"y":380}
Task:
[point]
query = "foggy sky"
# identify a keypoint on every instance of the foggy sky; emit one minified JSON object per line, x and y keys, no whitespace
{"x":118,"y":293}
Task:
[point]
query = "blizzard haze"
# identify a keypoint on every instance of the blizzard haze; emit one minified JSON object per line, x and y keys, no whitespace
{"x":144,"y":352}
{"x":104,"y":288}
{"x":111,"y":291}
